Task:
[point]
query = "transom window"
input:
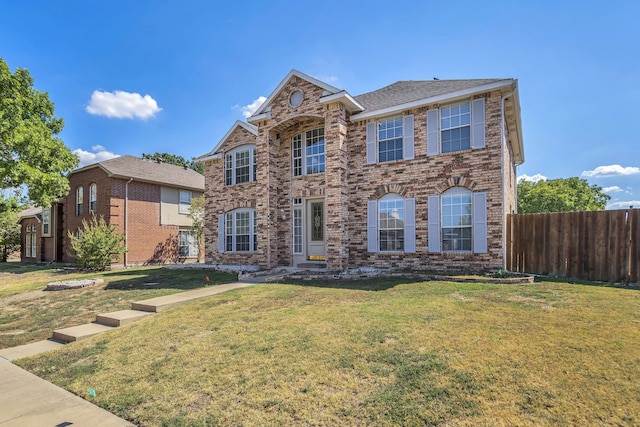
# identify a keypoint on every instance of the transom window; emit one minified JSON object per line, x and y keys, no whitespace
{"x":79,"y":201}
{"x":93,"y":197}
{"x":455,"y":127}
{"x":185,"y":202}
{"x":308,"y":151}
{"x":456,"y":220}
{"x":240,"y":165}
{"x":241,"y":231}
{"x":391,"y":223}
{"x":390,"y":139}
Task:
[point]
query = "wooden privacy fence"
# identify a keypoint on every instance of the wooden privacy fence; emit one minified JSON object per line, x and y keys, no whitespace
{"x":595,"y":245}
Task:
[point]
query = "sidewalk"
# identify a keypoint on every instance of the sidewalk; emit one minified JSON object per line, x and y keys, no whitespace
{"x":27,"y":400}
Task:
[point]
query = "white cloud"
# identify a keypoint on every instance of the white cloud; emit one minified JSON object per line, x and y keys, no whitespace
{"x":624,"y":205}
{"x":248,"y":110}
{"x":615,"y":189}
{"x":97,"y":154}
{"x":122,"y":105}
{"x":611,"y":170}
{"x":535,"y":178}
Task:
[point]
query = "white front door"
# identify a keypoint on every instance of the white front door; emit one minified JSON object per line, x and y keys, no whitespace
{"x":315,"y":230}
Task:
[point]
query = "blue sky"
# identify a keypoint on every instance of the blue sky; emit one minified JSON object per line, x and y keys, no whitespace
{"x":133,"y":77}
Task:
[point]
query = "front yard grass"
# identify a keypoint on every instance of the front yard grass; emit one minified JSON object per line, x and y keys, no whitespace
{"x":28,"y":313}
{"x":390,"y":353}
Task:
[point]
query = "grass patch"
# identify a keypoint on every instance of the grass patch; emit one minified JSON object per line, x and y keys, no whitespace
{"x":414,"y":354}
{"x":28,"y":313}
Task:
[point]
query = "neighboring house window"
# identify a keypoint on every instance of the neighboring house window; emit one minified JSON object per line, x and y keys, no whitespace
{"x":240,"y":165}
{"x":237,"y":231}
{"x":46,"y":221}
{"x":187,"y":244}
{"x":79,"y":200}
{"x":93,"y":198}
{"x":456,"y":127}
{"x":185,"y":202}
{"x":457,"y":221}
{"x":308,"y":151}
{"x":390,"y":139}
{"x":391,"y":224}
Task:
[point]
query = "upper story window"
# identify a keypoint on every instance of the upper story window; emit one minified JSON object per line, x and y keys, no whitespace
{"x":456,"y":127}
{"x":93,"y":198}
{"x":46,"y":221}
{"x":308,"y":151}
{"x":79,"y":201}
{"x":185,"y":202}
{"x":240,"y":165}
{"x":390,"y":139}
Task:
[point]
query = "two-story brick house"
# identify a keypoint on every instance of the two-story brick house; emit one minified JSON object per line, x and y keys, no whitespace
{"x":418,"y":174}
{"x":147,"y":202}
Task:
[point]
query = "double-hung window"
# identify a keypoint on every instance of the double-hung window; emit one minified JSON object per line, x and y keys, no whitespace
{"x":456,"y":127}
{"x":308,"y":152}
{"x":79,"y":201}
{"x":456,"y":220}
{"x":390,"y":139}
{"x":240,"y":165}
{"x":391,"y":225}
{"x":187,"y":244}
{"x":237,"y":231}
{"x":185,"y":202}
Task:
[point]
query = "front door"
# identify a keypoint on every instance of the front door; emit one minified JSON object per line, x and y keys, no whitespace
{"x":315,"y":230}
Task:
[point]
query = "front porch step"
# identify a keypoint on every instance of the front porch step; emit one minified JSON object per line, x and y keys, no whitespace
{"x":122,"y":317}
{"x":312,"y":265}
{"x":77,"y":333}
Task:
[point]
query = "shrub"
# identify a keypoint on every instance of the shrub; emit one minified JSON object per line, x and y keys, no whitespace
{"x":97,"y":244}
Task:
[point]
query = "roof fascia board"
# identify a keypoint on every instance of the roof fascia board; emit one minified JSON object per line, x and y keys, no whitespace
{"x":247,"y":126}
{"x":258,"y":117}
{"x":284,"y":81}
{"x":451,"y":96}
{"x":345,"y":98}
{"x":158,"y":183}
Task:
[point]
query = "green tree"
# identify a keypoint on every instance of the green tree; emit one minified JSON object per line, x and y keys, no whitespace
{"x":10,"y":237}
{"x":196,"y":212}
{"x":97,"y":245}
{"x":174,"y":159}
{"x":30,"y":152}
{"x":560,"y":195}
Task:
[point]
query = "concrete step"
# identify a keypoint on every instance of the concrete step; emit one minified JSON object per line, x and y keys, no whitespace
{"x":158,"y":304}
{"x":122,"y":317}
{"x":77,"y":333}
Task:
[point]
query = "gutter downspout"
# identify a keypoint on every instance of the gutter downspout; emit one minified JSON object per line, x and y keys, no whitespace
{"x":504,"y":208}
{"x":126,"y":200}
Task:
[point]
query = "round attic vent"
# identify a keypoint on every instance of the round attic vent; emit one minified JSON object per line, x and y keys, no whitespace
{"x":296,"y":98}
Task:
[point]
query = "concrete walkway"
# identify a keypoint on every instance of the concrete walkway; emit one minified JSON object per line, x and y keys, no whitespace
{"x":27,"y":400}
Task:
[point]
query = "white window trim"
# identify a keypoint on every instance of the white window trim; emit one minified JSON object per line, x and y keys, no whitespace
{"x":192,"y":244}
{"x":409,"y":225}
{"x":252,"y":229}
{"x":303,"y":153}
{"x":252,"y":161}
{"x":452,"y":192}
{"x":477,"y":108}
{"x":93,"y":198}
{"x":79,"y":203}
{"x":46,"y":220}
{"x":184,"y":208}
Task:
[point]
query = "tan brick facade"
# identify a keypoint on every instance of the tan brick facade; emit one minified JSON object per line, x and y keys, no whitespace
{"x":349,"y":183}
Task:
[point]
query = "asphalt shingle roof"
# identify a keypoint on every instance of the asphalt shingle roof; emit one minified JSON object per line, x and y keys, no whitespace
{"x":151,"y":171}
{"x":406,"y":91}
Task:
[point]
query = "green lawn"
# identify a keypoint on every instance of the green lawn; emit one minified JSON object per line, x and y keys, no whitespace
{"x":28,"y":313}
{"x":380,"y":352}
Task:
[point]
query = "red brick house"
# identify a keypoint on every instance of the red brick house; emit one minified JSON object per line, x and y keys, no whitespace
{"x":147,"y":202}
{"x":418,"y":174}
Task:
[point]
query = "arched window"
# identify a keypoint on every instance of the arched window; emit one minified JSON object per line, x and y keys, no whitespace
{"x":456,"y":219}
{"x":79,"y":201}
{"x":240,"y":165}
{"x":391,"y":224}
{"x":93,"y":198}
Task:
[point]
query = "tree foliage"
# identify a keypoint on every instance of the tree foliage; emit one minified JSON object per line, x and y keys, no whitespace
{"x":97,"y":245}
{"x":30,"y":152}
{"x":196,"y":212}
{"x":10,"y":237}
{"x":174,"y":159}
{"x":560,"y":195}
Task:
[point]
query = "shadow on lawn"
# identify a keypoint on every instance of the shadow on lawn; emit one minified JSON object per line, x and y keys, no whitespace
{"x":163,"y":278}
{"x":357,"y":284}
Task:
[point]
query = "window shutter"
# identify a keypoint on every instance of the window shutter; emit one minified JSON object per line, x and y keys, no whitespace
{"x":480,"y":223}
{"x":433,"y":140}
{"x":407,"y":137}
{"x":371,"y":143}
{"x":372,"y":226}
{"x":477,"y":123}
{"x":410,"y":225}
{"x":221,"y":233}
{"x":433,"y":221}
